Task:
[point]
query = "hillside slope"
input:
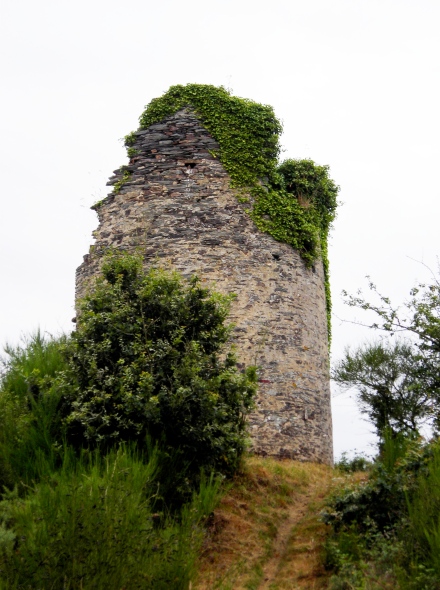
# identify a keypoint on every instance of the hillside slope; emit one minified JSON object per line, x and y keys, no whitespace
{"x":266,"y":533}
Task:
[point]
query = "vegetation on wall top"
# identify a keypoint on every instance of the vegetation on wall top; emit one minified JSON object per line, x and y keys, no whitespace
{"x":247,"y":132}
{"x":295,"y":201}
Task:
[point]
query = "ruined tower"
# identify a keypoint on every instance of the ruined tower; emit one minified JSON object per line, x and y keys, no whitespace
{"x":174,"y":203}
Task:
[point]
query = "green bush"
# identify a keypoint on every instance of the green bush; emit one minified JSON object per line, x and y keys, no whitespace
{"x":380,"y":502}
{"x":148,"y":358}
{"x":386,"y":530}
{"x":357,"y":463}
{"x":147,"y":365}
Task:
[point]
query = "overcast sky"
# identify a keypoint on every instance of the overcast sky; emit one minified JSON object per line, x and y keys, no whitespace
{"x":355,"y":83}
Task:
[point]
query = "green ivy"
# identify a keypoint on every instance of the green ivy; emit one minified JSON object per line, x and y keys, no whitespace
{"x":247,"y":132}
{"x":294,"y":202}
{"x":311,"y":190}
{"x":130,"y":139}
{"x":126,"y":175}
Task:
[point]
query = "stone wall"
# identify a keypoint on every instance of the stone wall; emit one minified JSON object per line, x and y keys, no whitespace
{"x":178,"y":208}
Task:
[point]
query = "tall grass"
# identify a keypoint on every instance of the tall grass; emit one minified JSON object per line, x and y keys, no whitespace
{"x":30,"y":422}
{"x":423,"y":542}
{"x":387,"y":529}
{"x":92,"y":525}
{"x":74,"y":519}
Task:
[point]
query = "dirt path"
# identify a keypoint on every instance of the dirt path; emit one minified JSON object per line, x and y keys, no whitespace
{"x":296,"y":559}
{"x":266,"y":534}
{"x":285,"y":533}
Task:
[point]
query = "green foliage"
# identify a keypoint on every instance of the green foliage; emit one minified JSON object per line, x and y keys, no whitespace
{"x":365,"y":562}
{"x":30,"y":393}
{"x":97,"y":205}
{"x":282,"y":216}
{"x":313,"y":188}
{"x":380,"y":502}
{"x":93,"y":525}
{"x":71,"y":518}
{"x":295,"y":203}
{"x":420,"y":320}
{"x":392,"y":390}
{"x":130,"y":139}
{"x":247,"y":132}
{"x":299,"y":210}
{"x":393,"y":517}
{"x":126,"y":174}
{"x":148,"y":361}
{"x":357,"y":463}
{"x":148,"y":358}
{"x":386,"y":530}
{"x":424,"y":518}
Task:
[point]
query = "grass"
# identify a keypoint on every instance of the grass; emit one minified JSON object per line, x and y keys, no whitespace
{"x":80,"y":519}
{"x":424,"y":522}
{"x":387,"y":528}
{"x":76,"y":519}
{"x":267,"y":528}
{"x":92,"y":525}
{"x":29,"y":416}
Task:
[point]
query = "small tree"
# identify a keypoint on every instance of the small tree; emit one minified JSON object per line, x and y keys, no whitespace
{"x":402,"y":379}
{"x":391,"y":390}
{"x":148,"y":359}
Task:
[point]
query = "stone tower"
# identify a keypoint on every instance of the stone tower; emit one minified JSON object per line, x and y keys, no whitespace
{"x":174,"y":204}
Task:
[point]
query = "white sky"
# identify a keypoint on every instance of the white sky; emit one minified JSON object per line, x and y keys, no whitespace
{"x":355,"y":82}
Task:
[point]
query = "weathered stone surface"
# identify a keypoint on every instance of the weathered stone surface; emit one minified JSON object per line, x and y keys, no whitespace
{"x":177,"y":208}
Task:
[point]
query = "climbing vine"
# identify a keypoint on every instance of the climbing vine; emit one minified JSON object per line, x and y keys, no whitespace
{"x":294,"y":202}
{"x":247,"y":132}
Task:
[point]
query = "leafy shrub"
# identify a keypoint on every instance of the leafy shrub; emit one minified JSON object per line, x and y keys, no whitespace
{"x":364,"y":561}
{"x":380,"y":502}
{"x":356,"y":463}
{"x":148,"y":358}
{"x":386,"y":530}
{"x":312,"y":186}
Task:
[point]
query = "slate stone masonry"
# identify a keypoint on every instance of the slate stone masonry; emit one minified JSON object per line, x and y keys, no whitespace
{"x":177,"y":207}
